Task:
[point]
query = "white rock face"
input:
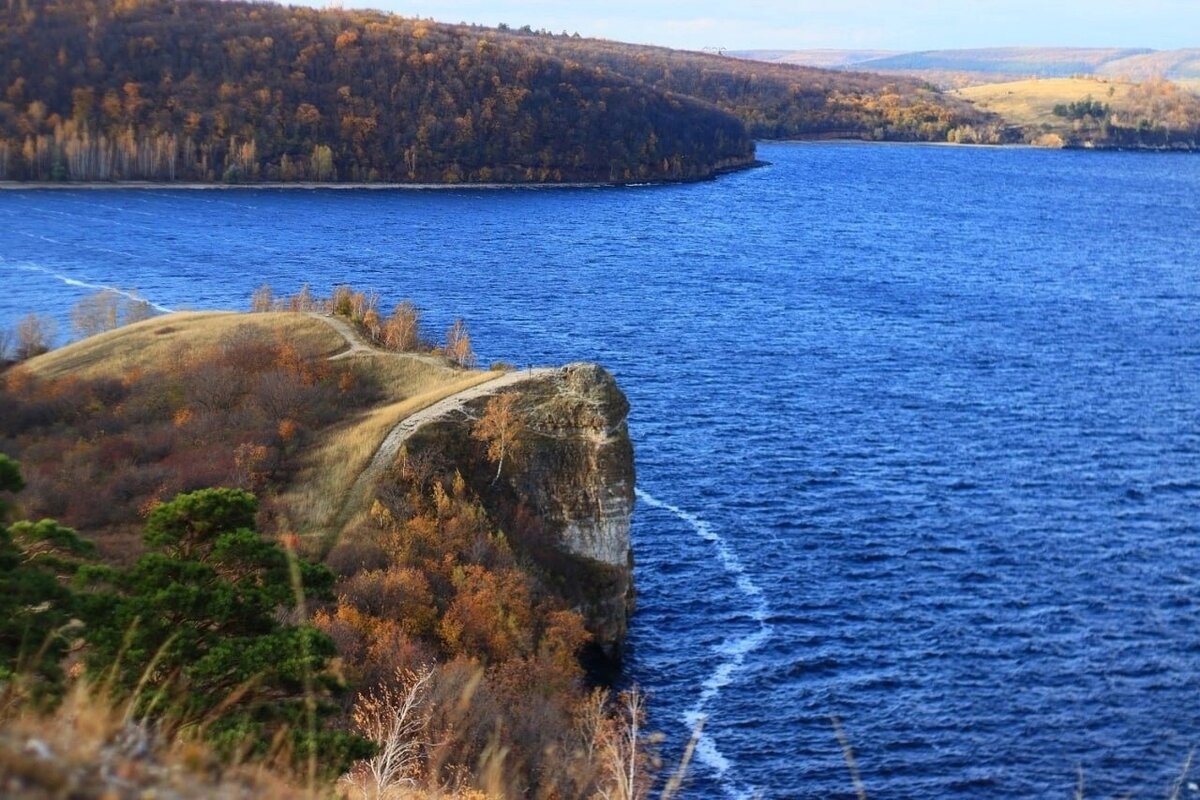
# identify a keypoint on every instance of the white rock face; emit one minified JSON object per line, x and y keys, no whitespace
{"x":604,"y":534}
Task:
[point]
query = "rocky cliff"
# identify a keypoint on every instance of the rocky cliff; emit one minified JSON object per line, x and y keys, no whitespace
{"x":566,"y":500}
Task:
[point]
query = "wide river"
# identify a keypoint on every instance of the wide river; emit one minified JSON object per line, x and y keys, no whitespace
{"x":918,"y":432}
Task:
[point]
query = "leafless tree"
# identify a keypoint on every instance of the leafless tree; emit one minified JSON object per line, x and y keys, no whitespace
{"x":263,"y":299}
{"x":395,"y":718}
{"x":35,"y":335}
{"x":458,"y":345}
{"x":402,"y":332}
{"x":7,"y":337}
{"x":96,"y":313}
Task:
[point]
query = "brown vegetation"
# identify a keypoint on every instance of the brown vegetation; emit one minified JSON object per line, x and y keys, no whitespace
{"x":236,"y":410}
{"x":429,"y":580}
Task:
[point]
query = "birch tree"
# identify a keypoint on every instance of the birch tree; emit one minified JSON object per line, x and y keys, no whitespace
{"x":502,"y":427}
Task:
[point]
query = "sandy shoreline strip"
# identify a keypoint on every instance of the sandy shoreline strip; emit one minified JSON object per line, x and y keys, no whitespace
{"x":19,"y":186}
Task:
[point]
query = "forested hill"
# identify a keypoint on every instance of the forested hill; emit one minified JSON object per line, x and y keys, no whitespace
{"x":786,"y":101}
{"x":211,"y":91}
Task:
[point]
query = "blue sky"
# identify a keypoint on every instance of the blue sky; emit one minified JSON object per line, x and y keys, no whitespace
{"x":796,"y":24}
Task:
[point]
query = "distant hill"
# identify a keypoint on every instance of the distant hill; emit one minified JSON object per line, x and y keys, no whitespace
{"x":781,"y":101}
{"x":824,"y":59}
{"x":990,"y":64}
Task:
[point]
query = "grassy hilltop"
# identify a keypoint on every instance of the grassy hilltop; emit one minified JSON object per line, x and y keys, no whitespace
{"x":229,"y":372}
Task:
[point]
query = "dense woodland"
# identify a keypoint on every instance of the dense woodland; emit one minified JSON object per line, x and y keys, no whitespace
{"x":783,"y":101}
{"x":202,"y":90}
{"x":238,"y":92}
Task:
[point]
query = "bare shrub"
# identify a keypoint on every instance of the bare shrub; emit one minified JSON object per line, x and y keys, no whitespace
{"x":458,"y":345}
{"x":245,"y":347}
{"x":396,"y":718}
{"x":281,"y":395}
{"x":214,"y":387}
{"x":355,"y":554}
{"x":34,"y":336}
{"x":96,"y":313}
{"x":263,"y":299}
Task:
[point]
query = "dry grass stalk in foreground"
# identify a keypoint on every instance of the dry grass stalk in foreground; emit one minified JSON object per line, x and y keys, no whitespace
{"x":91,"y":748}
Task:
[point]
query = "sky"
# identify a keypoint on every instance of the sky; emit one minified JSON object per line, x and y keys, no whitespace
{"x":855,"y":24}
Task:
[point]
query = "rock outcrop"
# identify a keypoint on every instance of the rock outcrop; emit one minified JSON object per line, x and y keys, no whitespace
{"x":567,"y":500}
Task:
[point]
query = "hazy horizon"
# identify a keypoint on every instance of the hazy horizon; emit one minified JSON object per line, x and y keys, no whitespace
{"x":824,"y":24}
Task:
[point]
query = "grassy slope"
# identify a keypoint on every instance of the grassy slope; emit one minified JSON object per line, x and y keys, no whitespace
{"x":147,"y":343}
{"x":1031,"y":103}
{"x":318,"y":496}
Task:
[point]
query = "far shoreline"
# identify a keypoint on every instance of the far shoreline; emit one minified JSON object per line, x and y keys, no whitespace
{"x":1070,"y":148}
{"x":190,"y":186}
{"x":15,"y":186}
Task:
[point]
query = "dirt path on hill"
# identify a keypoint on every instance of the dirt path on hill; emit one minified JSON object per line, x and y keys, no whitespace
{"x":360,"y":346}
{"x":389,"y":448}
{"x":357,"y":345}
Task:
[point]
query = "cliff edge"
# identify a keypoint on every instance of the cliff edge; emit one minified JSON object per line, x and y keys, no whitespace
{"x":566,"y":501}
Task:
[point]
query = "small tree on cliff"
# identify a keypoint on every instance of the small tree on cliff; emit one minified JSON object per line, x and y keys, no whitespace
{"x":503,"y":429}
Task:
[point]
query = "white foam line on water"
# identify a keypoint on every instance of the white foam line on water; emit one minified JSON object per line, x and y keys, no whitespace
{"x":69,"y":281}
{"x":735,"y":649}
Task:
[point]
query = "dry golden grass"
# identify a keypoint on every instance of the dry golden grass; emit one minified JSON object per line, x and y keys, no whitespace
{"x":1032,"y":102}
{"x":150,"y":342}
{"x":90,"y":747}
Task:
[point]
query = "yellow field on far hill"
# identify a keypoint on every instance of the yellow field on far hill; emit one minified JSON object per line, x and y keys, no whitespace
{"x":1031,"y":103}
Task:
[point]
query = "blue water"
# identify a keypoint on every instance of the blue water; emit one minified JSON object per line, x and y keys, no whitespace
{"x":918,"y":432}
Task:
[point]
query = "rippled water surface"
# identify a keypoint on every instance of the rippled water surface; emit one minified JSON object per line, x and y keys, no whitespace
{"x":918,"y":431}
